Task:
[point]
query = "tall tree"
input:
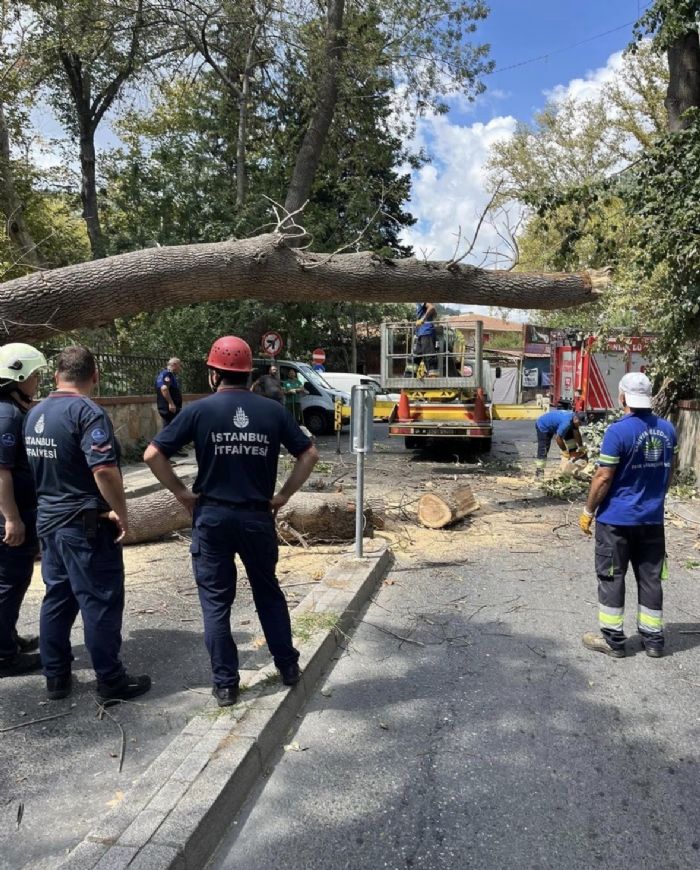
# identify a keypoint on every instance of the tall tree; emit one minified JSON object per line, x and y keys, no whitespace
{"x":90,"y":50}
{"x":426,"y":46}
{"x":13,"y":61}
{"x":674,"y":26}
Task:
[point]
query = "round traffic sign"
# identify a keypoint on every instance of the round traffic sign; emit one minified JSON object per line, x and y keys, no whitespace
{"x":319,"y":355}
{"x":272,"y":343}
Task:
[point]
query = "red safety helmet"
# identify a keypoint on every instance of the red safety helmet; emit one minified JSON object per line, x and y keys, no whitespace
{"x":230,"y":354}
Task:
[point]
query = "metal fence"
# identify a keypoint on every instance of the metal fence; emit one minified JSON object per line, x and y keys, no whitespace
{"x":131,"y":375}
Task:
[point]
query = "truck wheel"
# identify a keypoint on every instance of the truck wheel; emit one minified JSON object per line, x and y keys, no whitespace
{"x":411,"y":443}
{"x":315,"y":421}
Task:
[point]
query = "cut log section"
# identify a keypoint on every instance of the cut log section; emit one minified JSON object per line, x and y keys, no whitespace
{"x":320,"y":518}
{"x":154,"y":515}
{"x":309,"y":518}
{"x":437,"y":511}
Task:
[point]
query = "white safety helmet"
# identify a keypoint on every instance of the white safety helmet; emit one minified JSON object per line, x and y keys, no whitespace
{"x":19,"y":361}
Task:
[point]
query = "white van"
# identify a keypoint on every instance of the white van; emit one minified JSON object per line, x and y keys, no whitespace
{"x":318,"y":402}
{"x":347,"y":380}
{"x":383,"y":402}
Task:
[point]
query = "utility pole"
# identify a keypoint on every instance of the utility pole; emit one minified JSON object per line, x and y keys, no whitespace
{"x":353,"y":345}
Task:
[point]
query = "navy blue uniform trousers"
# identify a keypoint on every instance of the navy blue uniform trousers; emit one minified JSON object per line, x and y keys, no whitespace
{"x":219,"y":533}
{"x":16,"y":567}
{"x":83,"y":570}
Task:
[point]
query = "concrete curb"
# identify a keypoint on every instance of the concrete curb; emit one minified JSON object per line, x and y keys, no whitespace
{"x":177,"y":811}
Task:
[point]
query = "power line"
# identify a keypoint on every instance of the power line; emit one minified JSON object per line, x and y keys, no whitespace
{"x":563,"y":48}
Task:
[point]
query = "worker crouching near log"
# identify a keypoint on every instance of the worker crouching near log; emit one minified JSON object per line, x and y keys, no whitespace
{"x":237,"y":436}
{"x":564,"y":428}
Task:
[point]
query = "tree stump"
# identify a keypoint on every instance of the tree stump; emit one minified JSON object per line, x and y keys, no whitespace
{"x":437,"y":511}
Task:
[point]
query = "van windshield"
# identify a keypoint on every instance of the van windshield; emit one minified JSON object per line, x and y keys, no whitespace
{"x":314,"y":377}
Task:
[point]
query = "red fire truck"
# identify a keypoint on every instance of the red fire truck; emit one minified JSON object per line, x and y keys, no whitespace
{"x":595,"y":367}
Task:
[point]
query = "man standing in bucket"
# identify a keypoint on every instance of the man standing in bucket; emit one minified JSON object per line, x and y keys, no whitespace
{"x":237,"y":436}
{"x":626,"y":497}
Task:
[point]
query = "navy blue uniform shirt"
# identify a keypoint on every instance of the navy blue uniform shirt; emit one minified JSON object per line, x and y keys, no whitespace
{"x":237,"y":437}
{"x":168,"y":379}
{"x":67,"y":437}
{"x":14,"y":456}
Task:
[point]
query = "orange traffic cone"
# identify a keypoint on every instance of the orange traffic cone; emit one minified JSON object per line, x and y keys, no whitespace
{"x":404,"y":407}
{"x":480,"y":406}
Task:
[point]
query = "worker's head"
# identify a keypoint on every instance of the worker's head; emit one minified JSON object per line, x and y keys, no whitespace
{"x":635,"y":391}
{"x":19,"y":369}
{"x":580,"y":418}
{"x":76,"y":367}
{"x":175,"y":365}
{"x":230,"y":362}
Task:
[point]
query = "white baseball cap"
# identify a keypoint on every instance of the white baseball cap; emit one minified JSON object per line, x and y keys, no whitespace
{"x":636,"y":387}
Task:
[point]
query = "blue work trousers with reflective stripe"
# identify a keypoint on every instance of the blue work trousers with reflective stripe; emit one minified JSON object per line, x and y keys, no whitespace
{"x":644,"y":548}
{"x":16,"y":567}
{"x":83,"y":570}
{"x":219,"y":533}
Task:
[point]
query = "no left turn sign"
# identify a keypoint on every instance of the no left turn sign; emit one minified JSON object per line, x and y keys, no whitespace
{"x":272,"y":343}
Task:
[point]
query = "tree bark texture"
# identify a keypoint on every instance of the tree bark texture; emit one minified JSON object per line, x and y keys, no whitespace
{"x":308,"y":517}
{"x":11,"y":204}
{"x":88,"y":193}
{"x":452,"y":503}
{"x":684,"y":83}
{"x":309,"y":154}
{"x":263,"y":267}
{"x":154,"y":515}
{"x":319,"y":518}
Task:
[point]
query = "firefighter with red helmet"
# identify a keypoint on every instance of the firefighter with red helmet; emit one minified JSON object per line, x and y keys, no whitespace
{"x":237,"y":436}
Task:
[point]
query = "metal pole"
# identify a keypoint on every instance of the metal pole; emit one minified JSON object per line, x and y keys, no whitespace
{"x":359,"y":504}
{"x":479,"y":353}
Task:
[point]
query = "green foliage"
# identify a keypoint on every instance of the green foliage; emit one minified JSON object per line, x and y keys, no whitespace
{"x":667,"y":21}
{"x":684,"y":483}
{"x":662,"y":193}
{"x":505,"y":341}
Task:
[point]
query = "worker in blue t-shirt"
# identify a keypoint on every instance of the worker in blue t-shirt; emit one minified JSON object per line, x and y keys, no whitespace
{"x":81,"y":520}
{"x":564,"y":427}
{"x":237,"y":436}
{"x":424,"y":343}
{"x":19,"y":381}
{"x":627,"y":497}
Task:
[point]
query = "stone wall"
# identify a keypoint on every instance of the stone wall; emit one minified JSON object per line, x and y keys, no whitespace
{"x":135,"y":418}
{"x":687,"y":422}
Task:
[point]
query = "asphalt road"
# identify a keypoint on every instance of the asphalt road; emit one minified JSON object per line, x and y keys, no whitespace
{"x":466,"y":726}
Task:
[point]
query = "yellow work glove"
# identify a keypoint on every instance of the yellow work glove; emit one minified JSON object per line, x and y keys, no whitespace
{"x":585,"y":521}
{"x":419,"y":322}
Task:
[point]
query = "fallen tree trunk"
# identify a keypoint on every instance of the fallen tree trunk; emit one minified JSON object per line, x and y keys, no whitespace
{"x":437,"y":511}
{"x":263,"y":267}
{"x":312,"y":517}
{"x":154,"y":515}
{"x":309,"y":518}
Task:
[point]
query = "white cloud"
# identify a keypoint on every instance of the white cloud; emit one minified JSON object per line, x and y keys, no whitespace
{"x":590,"y":86}
{"x":450,"y":193}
